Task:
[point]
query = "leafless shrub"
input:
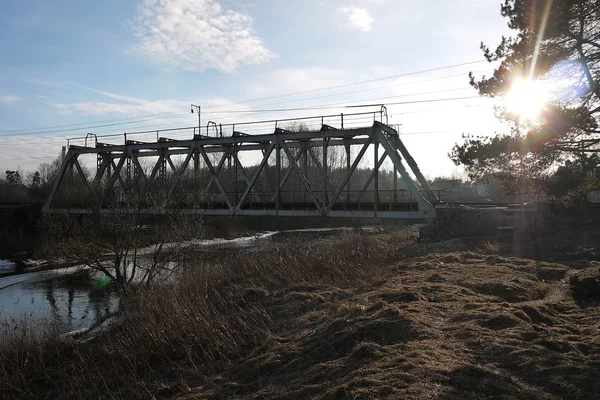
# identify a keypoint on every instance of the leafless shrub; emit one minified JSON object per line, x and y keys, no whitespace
{"x":490,"y":248}
{"x":125,"y":245}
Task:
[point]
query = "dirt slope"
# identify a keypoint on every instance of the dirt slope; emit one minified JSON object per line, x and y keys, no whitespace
{"x":460,"y":325}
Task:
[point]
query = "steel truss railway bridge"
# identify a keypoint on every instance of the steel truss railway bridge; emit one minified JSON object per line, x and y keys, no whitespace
{"x":344,"y":165}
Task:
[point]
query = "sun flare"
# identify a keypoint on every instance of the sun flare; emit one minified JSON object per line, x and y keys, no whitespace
{"x":526,"y":98}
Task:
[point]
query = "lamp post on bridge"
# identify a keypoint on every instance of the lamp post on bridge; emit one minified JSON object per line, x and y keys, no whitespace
{"x":199,"y":110}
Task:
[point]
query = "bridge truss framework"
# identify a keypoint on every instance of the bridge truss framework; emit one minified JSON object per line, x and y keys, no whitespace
{"x":120,"y":164}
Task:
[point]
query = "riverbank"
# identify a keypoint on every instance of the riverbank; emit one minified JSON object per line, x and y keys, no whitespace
{"x":367,"y":315}
{"x":67,"y":295}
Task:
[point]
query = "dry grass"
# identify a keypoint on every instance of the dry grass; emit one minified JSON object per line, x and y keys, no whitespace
{"x":200,"y":324}
{"x":490,"y":248}
{"x":351,"y":318}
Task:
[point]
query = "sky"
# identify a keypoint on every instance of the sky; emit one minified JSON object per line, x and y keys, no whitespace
{"x":73,"y":67}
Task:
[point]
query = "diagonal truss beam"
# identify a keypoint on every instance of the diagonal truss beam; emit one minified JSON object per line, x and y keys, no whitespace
{"x":170,"y":162}
{"x":80,"y":171}
{"x":57,"y":182}
{"x":156,"y":168}
{"x":112,"y":162}
{"x":103,"y":166}
{"x":113,"y":177}
{"x":349,"y":174}
{"x":241,"y":167}
{"x":148,"y":187}
{"x":371,"y":176}
{"x":287,"y":174}
{"x":179,"y":174}
{"x":217,"y":180}
{"x":320,"y":166}
{"x":415,"y":169}
{"x":424,"y":206}
{"x":302,"y":177}
{"x":217,"y":170}
{"x":266,"y":156}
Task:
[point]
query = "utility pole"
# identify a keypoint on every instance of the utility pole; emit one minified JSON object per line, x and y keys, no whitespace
{"x":199,"y":110}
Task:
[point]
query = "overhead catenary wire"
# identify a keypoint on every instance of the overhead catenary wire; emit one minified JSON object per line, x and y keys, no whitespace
{"x":263,"y":98}
{"x":364,"y":81}
{"x":177,"y":126}
{"x":361,"y":90}
{"x":318,"y":107}
{"x":95,"y":122}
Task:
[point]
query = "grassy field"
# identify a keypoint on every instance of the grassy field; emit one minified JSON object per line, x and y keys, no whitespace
{"x":358,"y":317}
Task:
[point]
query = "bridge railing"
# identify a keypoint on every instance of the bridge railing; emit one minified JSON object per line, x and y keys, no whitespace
{"x":213,"y":129}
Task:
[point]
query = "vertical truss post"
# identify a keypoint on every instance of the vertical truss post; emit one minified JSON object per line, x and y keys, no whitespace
{"x":162,"y":172}
{"x":395,"y":198}
{"x":371,"y":177}
{"x":278,"y":174}
{"x":347,"y":146}
{"x":128,"y":169}
{"x":304,"y":150}
{"x":376,"y":181}
{"x":196,"y":160}
{"x":325,"y":142}
{"x":265,"y":178}
{"x":235,"y":167}
{"x":229,"y":169}
{"x":99,"y":165}
{"x":70,"y":180}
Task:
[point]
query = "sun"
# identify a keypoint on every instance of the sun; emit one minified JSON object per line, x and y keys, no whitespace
{"x":526,"y":98}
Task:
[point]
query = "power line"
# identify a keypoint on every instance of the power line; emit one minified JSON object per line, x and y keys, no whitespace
{"x":87,"y":127}
{"x":330,"y":106}
{"x":251,"y":100}
{"x":338,"y":105}
{"x":363,"y":82}
{"x":425,"y":133}
{"x":86,"y":123}
{"x":363,"y":90}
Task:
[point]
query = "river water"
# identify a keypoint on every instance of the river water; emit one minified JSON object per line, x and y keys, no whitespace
{"x":65,"y":299}
{"x":68,"y":299}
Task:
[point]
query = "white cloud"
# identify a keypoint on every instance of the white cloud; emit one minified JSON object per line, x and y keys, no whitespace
{"x":359,"y":18}
{"x":8,"y":99}
{"x":290,"y":80}
{"x":102,"y":108}
{"x":133,"y":106}
{"x":379,"y":2}
{"x":197,"y":35}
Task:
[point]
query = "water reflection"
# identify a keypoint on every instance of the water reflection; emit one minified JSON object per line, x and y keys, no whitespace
{"x":70,"y":301}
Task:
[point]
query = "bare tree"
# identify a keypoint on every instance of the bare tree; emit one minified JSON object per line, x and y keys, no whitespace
{"x":126,"y":244}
